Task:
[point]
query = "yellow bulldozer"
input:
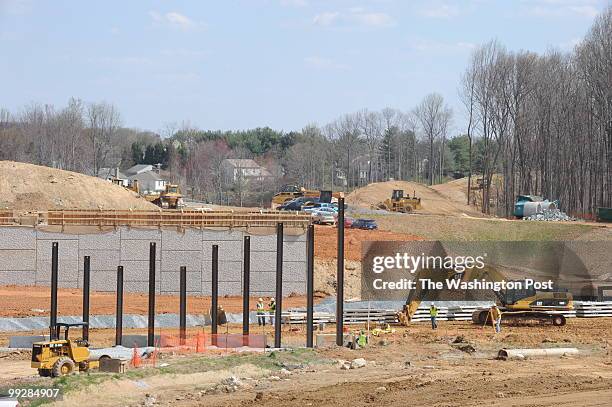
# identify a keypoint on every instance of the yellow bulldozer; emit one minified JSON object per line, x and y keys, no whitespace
{"x":525,"y":304}
{"x":61,"y":357}
{"x":170,"y":198}
{"x":400,"y":203}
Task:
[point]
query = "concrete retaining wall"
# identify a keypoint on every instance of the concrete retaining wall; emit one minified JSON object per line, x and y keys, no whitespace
{"x":25,"y":259}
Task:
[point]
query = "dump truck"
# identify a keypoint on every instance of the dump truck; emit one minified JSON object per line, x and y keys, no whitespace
{"x":61,"y":357}
{"x":400,"y":203}
{"x":525,"y":304}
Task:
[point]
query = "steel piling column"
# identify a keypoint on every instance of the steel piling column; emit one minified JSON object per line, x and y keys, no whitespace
{"x":215,"y":294}
{"x":309,"y":286}
{"x":86,"y":279}
{"x":54,"y":273}
{"x":151,"y":329}
{"x":340,"y":276}
{"x":183,"y":306}
{"x":119,"y":307}
{"x":246,"y":282}
{"x":279,"y":285}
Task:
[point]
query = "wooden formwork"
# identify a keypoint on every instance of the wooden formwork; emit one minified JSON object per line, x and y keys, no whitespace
{"x":6,"y":218}
{"x":176,"y":218}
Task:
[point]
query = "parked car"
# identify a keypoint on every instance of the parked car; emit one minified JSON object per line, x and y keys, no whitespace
{"x":310,"y":207}
{"x":297,"y":203}
{"x":324,"y":216}
{"x":348,"y":221}
{"x":369,"y":224}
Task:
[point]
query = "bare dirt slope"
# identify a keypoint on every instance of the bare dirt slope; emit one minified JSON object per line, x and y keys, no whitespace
{"x":433,"y":202}
{"x":33,"y":187}
{"x":455,"y":190}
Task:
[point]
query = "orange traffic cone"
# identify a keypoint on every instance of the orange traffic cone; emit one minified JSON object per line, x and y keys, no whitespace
{"x":136,"y":359}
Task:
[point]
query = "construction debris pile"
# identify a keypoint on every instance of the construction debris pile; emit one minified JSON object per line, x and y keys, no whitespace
{"x":550,"y":215}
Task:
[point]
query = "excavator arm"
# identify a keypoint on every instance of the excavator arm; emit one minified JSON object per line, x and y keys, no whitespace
{"x":418,"y":294}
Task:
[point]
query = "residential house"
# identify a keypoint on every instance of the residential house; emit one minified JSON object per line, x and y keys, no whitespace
{"x":235,"y":169}
{"x":148,"y":178}
{"x":111,"y":174}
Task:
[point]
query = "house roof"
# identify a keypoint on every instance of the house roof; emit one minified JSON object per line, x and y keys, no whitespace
{"x":139,"y":168}
{"x":106,"y":173}
{"x":146,"y":176}
{"x":242,"y":163}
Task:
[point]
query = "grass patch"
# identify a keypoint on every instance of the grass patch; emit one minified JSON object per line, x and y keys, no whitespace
{"x":470,"y":229}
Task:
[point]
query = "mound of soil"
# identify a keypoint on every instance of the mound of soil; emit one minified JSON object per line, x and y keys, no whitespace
{"x":31,"y":187}
{"x":433,"y":202}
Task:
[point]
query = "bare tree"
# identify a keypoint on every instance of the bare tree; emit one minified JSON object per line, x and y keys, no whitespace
{"x":103,"y":122}
{"x":434,"y":118}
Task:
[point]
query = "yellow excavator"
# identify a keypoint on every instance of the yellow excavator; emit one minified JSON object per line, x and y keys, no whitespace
{"x":525,"y":304}
{"x":400,"y":203}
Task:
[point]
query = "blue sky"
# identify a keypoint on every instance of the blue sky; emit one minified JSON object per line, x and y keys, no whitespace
{"x":278,"y":63}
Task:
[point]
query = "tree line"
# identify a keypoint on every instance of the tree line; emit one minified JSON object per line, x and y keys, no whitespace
{"x":536,"y":124}
{"x":544,"y":122}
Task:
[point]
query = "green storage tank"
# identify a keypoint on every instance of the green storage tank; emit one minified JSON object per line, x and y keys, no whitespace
{"x":604,"y":214}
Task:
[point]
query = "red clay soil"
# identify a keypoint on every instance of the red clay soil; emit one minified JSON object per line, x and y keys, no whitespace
{"x":326,"y":239}
{"x":35,"y":301}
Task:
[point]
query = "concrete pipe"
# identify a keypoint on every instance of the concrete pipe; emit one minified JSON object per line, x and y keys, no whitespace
{"x":531,"y":208}
{"x":505,"y":354}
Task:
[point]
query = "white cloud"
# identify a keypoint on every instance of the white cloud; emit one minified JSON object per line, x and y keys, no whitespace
{"x":571,"y":44}
{"x":15,"y":7}
{"x":439,"y":11}
{"x":174,"y":19}
{"x":561,"y":8}
{"x":422,"y":45}
{"x":321,"y":63}
{"x":325,"y":19}
{"x":374,"y":19}
{"x":294,"y":3}
{"x":354,"y":16}
{"x":182,"y":53}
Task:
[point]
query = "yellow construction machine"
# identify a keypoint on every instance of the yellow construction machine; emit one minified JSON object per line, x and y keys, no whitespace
{"x":525,"y":304}
{"x":292,"y":191}
{"x":170,"y":198}
{"x":60,"y":357}
{"x":400,"y":203}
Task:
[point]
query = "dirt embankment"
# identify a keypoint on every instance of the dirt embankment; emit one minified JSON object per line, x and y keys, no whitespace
{"x":31,"y":187}
{"x":326,"y":253}
{"x":432,"y":200}
{"x":34,"y":301}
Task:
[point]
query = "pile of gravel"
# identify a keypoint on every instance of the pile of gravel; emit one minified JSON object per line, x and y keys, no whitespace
{"x":550,"y":215}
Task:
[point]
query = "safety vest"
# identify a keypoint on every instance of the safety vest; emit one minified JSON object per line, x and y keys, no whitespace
{"x":260,"y":308}
{"x":273,"y":306}
{"x":433,"y":311}
{"x":495,"y":313}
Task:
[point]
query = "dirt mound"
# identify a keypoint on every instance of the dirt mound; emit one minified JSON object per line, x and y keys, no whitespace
{"x":432,"y":201}
{"x":33,"y":187}
{"x":326,"y":241}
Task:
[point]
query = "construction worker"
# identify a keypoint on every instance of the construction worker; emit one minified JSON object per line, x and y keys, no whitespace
{"x":261,"y":318}
{"x":272,"y":310}
{"x":362,"y":339}
{"x":496,"y":315}
{"x":433,"y":313}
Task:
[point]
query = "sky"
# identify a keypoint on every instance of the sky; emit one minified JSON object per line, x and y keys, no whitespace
{"x":253,"y":63}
